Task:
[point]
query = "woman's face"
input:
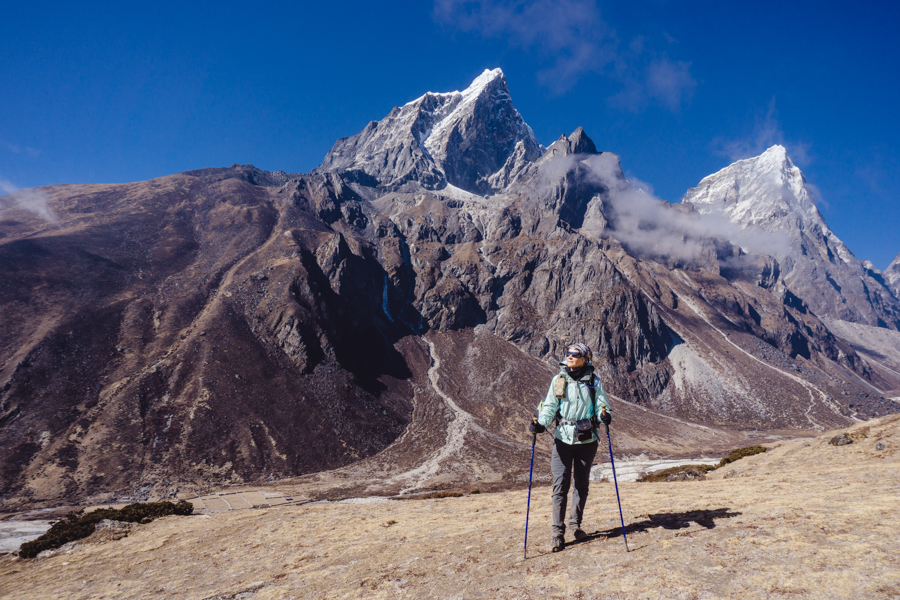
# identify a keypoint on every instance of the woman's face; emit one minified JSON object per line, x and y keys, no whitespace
{"x":571,"y":361}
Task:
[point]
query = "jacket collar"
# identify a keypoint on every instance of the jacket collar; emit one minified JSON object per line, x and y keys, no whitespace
{"x":585,"y":377}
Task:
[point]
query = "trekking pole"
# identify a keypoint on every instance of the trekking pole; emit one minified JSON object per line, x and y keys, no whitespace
{"x":528,"y":509}
{"x":613,"y":464}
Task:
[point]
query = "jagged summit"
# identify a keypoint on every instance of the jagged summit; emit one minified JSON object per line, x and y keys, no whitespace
{"x":768,"y":193}
{"x":473,"y":91}
{"x":474,"y":140}
{"x":576,"y":143}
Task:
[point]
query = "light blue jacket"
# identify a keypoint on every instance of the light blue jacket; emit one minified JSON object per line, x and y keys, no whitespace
{"x":576,"y":404}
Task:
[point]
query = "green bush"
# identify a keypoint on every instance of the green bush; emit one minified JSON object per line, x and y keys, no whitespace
{"x":77,"y":525}
{"x":740,"y":453}
{"x":663,"y":475}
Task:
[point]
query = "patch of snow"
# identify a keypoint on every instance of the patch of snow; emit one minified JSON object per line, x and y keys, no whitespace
{"x":460,"y":194}
{"x":631,"y":470}
{"x":15,"y":533}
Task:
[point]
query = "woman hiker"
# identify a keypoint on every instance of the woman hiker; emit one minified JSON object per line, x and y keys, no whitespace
{"x":578,"y":403}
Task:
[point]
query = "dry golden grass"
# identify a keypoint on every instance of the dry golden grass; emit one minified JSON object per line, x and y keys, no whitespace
{"x":804,"y":520}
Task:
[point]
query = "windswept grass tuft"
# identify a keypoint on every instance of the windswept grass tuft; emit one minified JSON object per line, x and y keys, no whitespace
{"x":77,"y":525}
{"x":690,"y":471}
{"x":740,"y":453}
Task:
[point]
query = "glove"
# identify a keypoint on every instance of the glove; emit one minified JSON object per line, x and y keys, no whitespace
{"x":606,"y":418}
{"x":536,"y":427}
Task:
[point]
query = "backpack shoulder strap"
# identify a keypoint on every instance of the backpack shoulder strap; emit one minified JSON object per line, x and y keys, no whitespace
{"x":592,"y":390}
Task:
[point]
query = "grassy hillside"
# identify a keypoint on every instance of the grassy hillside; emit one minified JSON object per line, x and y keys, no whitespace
{"x":804,"y":520}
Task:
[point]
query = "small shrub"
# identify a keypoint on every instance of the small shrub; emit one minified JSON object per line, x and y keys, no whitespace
{"x":663,"y":475}
{"x":739,"y":454}
{"x":77,"y":525}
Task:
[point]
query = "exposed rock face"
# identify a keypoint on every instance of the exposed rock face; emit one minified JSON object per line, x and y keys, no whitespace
{"x":769,"y":194}
{"x":474,"y":140}
{"x":232,"y":325}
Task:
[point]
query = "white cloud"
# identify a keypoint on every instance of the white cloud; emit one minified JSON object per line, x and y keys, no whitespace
{"x":670,"y":82}
{"x":652,"y":227}
{"x":571,"y":39}
{"x":32,"y":200}
{"x":19,"y":150}
{"x":766,"y":133}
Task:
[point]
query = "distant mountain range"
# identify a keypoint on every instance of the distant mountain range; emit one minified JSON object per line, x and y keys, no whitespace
{"x":388,"y":321}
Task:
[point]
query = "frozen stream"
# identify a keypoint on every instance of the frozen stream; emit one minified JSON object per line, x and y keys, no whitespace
{"x":15,"y":533}
{"x":631,"y":469}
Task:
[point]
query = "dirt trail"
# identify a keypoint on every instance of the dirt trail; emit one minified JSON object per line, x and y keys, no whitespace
{"x":463,"y":424}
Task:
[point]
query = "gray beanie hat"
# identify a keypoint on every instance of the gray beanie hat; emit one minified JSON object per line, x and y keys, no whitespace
{"x":583,"y":350}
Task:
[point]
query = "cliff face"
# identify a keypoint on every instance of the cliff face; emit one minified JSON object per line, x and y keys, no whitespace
{"x":399,"y":311}
{"x":474,"y":140}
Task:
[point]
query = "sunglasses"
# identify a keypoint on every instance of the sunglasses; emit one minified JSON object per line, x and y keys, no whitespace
{"x":574,"y":354}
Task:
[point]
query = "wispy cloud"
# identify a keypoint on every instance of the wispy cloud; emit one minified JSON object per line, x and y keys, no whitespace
{"x":571,"y":40}
{"x":877,"y":171}
{"x":19,"y":149}
{"x":670,"y":82}
{"x":570,"y":33}
{"x":654,"y":228}
{"x":766,"y":133}
{"x":667,"y":82}
{"x":32,"y":200}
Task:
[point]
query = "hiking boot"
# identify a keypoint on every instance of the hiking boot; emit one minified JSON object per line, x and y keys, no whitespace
{"x":579,"y":534}
{"x":557,"y":543}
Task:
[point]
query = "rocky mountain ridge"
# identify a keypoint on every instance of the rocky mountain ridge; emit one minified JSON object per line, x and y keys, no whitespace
{"x":389,"y":318}
{"x":769,"y":194}
{"x":474,"y":140}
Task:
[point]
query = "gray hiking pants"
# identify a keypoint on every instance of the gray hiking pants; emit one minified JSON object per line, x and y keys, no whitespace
{"x":565,"y":461}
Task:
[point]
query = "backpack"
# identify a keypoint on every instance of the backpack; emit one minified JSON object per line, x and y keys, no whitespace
{"x":559,"y":390}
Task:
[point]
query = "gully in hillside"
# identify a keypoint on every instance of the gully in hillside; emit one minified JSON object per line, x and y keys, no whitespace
{"x":577,"y":402}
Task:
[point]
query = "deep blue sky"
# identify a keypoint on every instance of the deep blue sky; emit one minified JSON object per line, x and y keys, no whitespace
{"x":101,"y":92}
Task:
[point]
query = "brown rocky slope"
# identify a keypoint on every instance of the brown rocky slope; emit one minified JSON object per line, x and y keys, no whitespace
{"x":229,"y":326}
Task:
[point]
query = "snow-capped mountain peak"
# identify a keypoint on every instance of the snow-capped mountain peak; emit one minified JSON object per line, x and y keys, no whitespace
{"x":474,"y":139}
{"x":470,"y":93}
{"x":769,"y":193}
{"x":765,"y":191}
